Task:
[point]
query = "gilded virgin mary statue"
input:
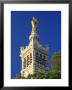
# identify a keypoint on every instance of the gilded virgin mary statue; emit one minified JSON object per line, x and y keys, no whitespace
{"x":34,"y":23}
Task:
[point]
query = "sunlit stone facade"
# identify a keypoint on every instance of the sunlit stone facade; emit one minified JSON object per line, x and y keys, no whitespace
{"x":34,"y":57}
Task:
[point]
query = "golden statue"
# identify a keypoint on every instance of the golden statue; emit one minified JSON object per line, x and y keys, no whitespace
{"x":34,"y":24}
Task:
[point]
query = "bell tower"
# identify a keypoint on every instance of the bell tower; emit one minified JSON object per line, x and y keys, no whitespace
{"x":34,"y":57}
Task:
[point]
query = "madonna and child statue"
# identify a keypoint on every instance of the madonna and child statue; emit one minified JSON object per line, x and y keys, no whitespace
{"x":34,"y":23}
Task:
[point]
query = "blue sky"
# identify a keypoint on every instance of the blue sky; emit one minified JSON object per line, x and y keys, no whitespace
{"x":49,"y":30}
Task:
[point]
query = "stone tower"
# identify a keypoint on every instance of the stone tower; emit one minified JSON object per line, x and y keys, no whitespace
{"x":34,"y":57}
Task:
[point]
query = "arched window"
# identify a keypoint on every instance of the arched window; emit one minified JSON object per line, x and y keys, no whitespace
{"x":27,"y":61}
{"x":30,"y":58}
{"x":40,"y":55}
{"x":44,"y":60}
{"x":44,"y":57}
{"x":37,"y":56}
{"x":24,"y":63}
